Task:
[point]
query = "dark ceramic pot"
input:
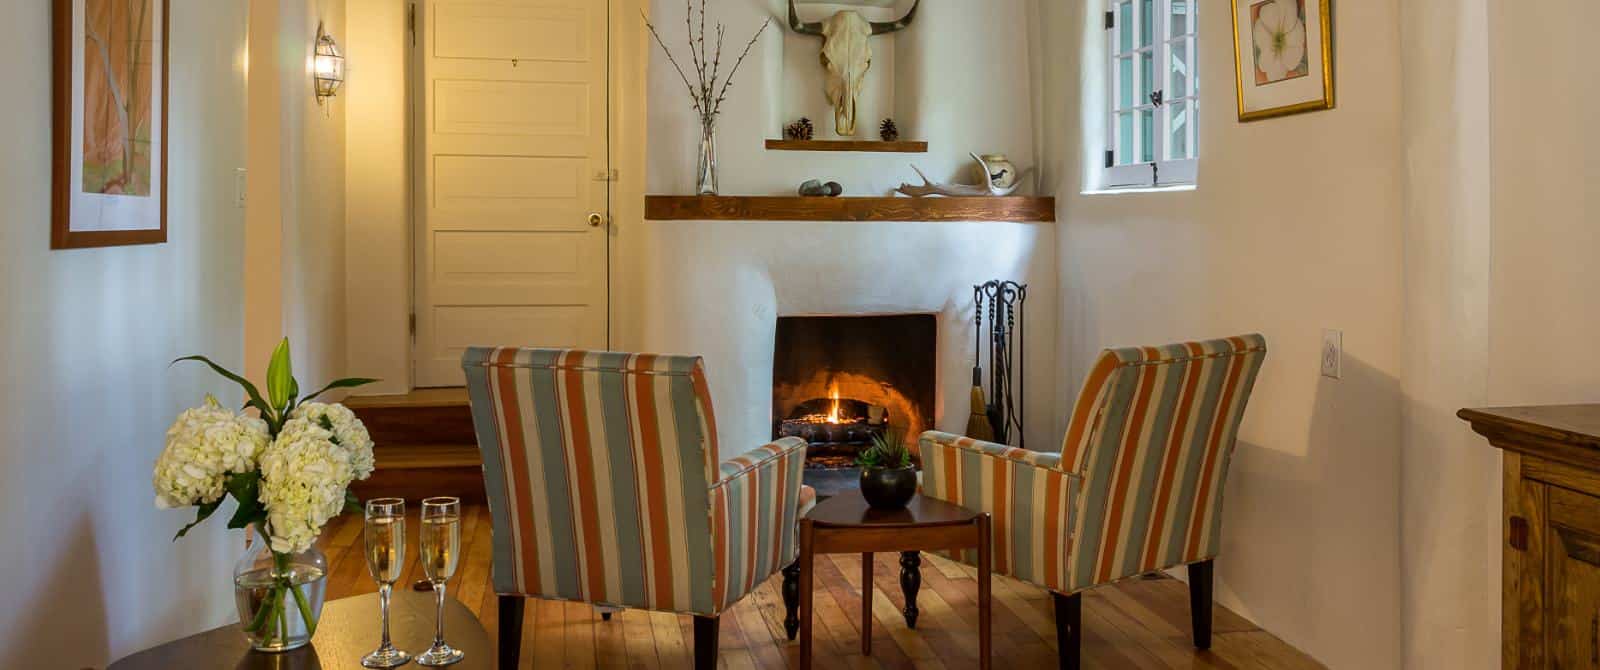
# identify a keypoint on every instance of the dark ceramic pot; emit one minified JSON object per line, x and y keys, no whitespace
{"x":888,"y":488}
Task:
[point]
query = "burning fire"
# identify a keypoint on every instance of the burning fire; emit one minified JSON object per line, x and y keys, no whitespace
{"x":835,"y":413}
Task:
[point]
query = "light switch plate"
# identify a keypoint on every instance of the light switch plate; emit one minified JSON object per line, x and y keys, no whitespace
{"x":1332,"y":354}
{"x":239,"y":184}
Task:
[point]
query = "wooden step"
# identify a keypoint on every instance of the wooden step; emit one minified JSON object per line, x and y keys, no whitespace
{"x":422,"y":417}
{"x":425,"y":445}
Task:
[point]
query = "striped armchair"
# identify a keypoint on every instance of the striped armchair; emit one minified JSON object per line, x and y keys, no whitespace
{"x":603,"y":488}
{"x":1137,"y":486}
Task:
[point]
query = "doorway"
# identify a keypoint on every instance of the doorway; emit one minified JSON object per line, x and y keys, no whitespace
{"x":513,"y":178}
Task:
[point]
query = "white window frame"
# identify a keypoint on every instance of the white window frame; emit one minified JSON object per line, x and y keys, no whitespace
{"x":1163,"y":170}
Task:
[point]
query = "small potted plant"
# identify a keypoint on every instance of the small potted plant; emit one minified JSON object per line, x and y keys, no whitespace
{"x":888,"y":480}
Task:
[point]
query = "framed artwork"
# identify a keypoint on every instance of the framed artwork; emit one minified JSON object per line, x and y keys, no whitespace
{"x":1283,"y":57}
{"x":109,"y":127}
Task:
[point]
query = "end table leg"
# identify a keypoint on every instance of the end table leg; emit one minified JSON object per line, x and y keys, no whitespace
{"x":791,"y":599}
{"x":910,"y":583}
{"x":985,"y":645}
{"x":866,"y":604}
{"x":806,"y":577}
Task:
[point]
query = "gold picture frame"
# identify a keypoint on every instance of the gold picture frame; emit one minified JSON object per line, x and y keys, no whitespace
{"x":1296,"y":92}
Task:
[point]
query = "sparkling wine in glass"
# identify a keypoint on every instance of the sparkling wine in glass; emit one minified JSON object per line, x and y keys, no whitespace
{"x":441,"y":552}
{"x":386,"y":558}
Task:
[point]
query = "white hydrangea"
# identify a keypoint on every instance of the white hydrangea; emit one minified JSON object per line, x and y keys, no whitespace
{"x":348,"y":432}
{"x":303,"y":478}
{"x":204,"y":445}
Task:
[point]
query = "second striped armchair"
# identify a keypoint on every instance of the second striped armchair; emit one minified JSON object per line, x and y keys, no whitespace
{"x":1137,"y":486}
{"x":604,"y":487}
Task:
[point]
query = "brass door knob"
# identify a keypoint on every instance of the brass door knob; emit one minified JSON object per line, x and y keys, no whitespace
{"x":595,"y":219}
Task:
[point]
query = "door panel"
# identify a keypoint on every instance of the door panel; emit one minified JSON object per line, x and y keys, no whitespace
{"x":512,"y":124}
{"x":1573,"y":587}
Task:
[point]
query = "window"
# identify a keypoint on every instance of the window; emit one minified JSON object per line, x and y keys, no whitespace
{"x":1153,"y":93}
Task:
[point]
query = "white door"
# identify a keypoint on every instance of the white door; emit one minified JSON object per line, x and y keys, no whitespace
{"x":512,"y":178}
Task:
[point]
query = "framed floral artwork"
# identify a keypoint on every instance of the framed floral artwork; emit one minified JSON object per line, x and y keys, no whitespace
{"x":109,"y":100}
{"x":1283,"y":57}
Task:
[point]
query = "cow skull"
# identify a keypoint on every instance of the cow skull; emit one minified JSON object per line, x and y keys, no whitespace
{"x":847,"y":55}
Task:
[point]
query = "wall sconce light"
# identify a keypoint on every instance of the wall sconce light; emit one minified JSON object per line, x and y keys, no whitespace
{"x":327,"y":66}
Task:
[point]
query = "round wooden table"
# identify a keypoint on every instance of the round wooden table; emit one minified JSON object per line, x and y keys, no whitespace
{"x":349,"y":628}
{"x":845,"y":524}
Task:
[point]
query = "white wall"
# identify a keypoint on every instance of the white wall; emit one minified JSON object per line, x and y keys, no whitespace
{"x":1450,"y":524}
{"x":377,"y":195}
{"x":314,"y":193}
{"x":1295,"y":227}
{"x":1545,"y":293}
{"x":945,"y":89}
{"x":90,"y":570}
{"x":297,"y":187}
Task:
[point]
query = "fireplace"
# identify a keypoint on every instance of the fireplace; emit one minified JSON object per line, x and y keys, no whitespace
{"x":838,"y":382}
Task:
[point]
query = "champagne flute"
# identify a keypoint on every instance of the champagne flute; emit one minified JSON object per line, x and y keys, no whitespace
{"x":386,"y":558}
{"x":441,"y":551}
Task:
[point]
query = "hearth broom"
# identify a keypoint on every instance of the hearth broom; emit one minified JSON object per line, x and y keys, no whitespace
{"x":978,"y":426}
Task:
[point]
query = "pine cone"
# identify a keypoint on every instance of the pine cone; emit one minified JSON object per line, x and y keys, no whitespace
{"x":888,"y":131}
{"x":800,"y":130}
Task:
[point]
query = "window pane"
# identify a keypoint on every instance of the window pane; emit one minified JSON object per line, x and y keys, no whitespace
{"x":1124,"y":138}
{"x":1178,"y":128}
{"x":1147,"y":78}
{"x":1178,"y":69}
{"x":1194,"y":122}
{"x":1194,"y":71}
{"x":1147,"y":19}
{"x":1178,"y":23}
{"x":1125,"y":26}
{"x":1125,"y":82}
{"x":1147,"y":136}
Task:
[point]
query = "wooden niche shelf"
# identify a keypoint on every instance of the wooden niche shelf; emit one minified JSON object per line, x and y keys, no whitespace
{"x":898,"y":147}
{"x":797,"y":208}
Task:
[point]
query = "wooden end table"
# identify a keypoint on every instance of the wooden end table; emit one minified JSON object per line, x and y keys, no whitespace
{"x":845,"y":524}
{"x":348,"y":629}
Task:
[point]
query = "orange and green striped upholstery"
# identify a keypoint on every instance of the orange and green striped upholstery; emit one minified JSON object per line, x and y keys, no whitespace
{"x":1029,"y":499}
{"x":603,"y":486}
{"x":1142,"y":466}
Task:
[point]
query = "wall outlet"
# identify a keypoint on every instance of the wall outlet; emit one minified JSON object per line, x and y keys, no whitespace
{"x":1332,"y":353}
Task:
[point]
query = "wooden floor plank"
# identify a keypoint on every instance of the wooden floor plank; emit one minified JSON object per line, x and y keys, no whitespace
{"x":1139,"y":623}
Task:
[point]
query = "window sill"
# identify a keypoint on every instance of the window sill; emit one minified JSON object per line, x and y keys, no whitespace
{"x":1174,"y":188}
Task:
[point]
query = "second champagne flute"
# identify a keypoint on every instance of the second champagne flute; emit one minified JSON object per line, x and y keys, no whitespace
{"x":386,"y":557}
{"x":441,"y":552}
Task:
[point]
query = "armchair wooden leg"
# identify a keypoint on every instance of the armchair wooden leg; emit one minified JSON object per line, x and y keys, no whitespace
{"x":910,"y":583}
{"x":706,"y":629}
{"x":511,"y":631}
{"x":791,"y":599}
{"x":1200,"y":578}
{"x":1069,"y":629}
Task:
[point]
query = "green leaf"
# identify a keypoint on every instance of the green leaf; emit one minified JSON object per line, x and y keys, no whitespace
{"x":202,"y":513}
{"x":352,"y":504}
{"x":280,"y":376}
{"x":350,"y":382}
{"x":249,"y":389}
{"x":246,"y":488}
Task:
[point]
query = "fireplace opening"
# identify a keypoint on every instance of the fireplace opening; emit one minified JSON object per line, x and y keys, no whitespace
{"x":841,"y":381}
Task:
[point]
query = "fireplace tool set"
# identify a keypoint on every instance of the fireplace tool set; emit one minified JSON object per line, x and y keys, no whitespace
{"x":999,"y":418}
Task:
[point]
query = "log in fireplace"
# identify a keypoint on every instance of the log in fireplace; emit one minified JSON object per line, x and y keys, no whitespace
{"x":840,"y":381}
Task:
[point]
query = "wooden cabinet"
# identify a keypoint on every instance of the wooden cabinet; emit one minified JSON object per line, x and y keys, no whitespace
{"x":1550,"y":520}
